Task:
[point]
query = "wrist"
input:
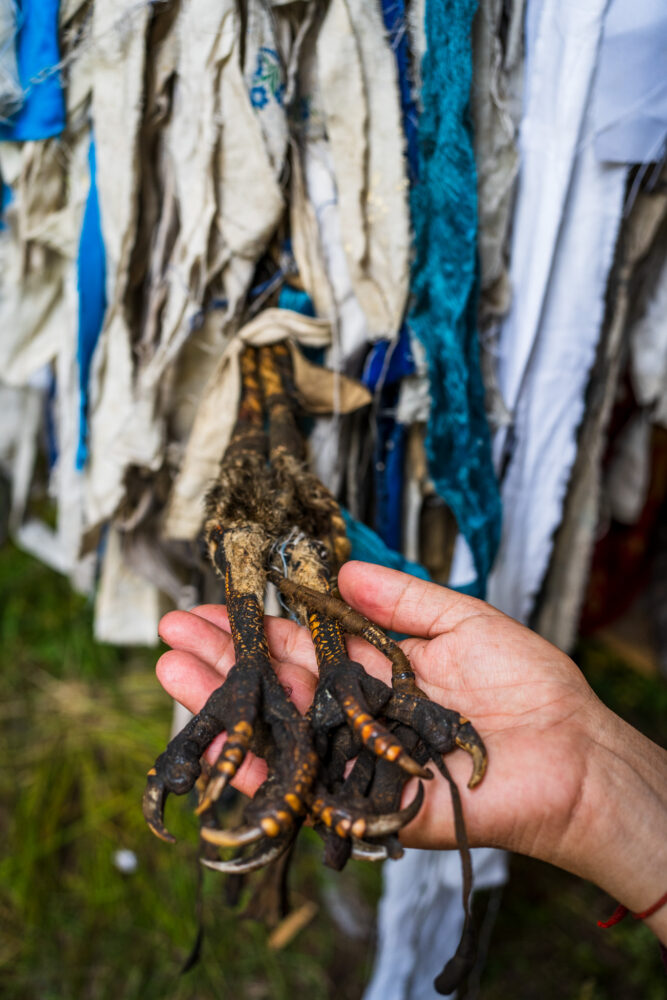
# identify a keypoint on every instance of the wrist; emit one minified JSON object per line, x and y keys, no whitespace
{"x":617,"y":836}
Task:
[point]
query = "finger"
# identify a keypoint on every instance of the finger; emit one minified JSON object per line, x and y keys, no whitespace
{"x":405,"y":603}
{"x":189,"y":632}
{"x":215,"y":613}
{"x":186,"y":678}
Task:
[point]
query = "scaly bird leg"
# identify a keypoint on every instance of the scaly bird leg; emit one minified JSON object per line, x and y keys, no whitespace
{"x":240,"y":529}
{"x":177,"y":769}
{"x":279,"y":806}
{"x":317,"y":514}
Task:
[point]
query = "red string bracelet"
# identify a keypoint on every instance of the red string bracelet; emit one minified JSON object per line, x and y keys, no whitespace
{"x":622,"y":911}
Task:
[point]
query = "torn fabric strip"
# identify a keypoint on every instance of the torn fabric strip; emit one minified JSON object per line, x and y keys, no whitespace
{"x":42,"y":111}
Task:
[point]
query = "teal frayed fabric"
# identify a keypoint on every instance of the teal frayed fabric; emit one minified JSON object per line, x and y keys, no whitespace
{"x":296,"y":300}
{"x":444,"y":284}
{"x":367,"y":546}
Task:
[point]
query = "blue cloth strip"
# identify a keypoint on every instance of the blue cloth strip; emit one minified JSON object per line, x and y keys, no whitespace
{"x":393,"y":14}
{"x":389,"y":473}
{"x":42,"y":114}
{"x":52,"y":450}
{"x":444,"y":284}
{"x":91,"y":282}
{"x":369,"y":547}
{"x":386,"y":364}
{"x":6,"y":198}
{"x":296,"y":300}
{"x":389,"y":449}
{"x":387,"y":371}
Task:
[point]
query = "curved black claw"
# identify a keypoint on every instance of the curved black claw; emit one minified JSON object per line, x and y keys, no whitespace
{"x":264,"y":855}
{"x":469,"y":740}
{"x":441,"y":729}
{"x":380,"y":826}
{"x":351,"y":821}
{"x":155,"y":796}
{"x":348,"y":694}
{"x":178,"y":768}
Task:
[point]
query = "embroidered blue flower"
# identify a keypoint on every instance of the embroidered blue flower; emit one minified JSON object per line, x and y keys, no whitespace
{"x":258,"y":96}
{"x":267,"y":80}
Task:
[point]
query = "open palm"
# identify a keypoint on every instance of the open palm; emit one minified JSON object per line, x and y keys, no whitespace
{"x":528,"y":701}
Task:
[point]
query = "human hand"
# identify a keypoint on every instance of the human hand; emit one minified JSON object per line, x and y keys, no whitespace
{"x":556,"y":754}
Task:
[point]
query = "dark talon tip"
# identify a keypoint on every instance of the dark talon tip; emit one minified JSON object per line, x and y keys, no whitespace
{"x":380,"y":826}
{"x":153,"y":801}
{"x":470,"y":741}
{"x":412,"y":767}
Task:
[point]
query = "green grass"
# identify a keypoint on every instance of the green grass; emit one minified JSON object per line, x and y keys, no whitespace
{"x":80,"y":723}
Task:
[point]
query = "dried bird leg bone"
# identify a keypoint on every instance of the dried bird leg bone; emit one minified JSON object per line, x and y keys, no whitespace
{"x":177,"y":769}
{"x":345,"y":692}
{"x":246,"y":523}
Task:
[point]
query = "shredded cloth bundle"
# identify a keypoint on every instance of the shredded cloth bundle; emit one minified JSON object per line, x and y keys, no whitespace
{"x":141,"y":238}
{"x":186,"y":185}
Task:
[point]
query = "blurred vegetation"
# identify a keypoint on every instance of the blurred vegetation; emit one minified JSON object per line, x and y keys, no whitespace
{"x":80,"y":725}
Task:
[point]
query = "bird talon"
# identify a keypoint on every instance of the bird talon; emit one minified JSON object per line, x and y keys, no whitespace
{"x":477,"y":751}
{"x":258,"y":859}
{"x":264,"y":502}
{"x":153,"y":803}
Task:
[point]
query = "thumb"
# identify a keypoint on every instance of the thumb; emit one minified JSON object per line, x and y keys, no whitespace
{"x":403,"y":603}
